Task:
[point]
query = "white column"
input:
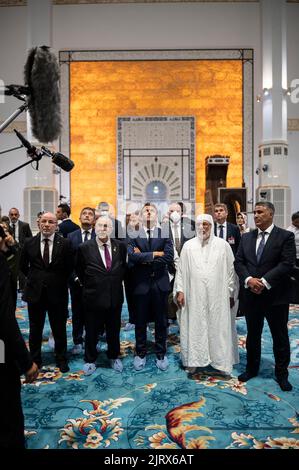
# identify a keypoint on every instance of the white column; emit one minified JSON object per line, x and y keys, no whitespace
{"x":273,"y":149}
{"x":40,"y":193}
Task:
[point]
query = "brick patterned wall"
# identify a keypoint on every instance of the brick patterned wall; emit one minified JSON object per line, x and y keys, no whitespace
{"x":101,"y":91}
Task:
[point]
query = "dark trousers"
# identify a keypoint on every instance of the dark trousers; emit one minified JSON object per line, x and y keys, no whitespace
{"x":172,"y":307}
{"x":130,"y":298}
{"x":277,"y":318}
{"x":57,"y":318}
{"x":77,"y":312}
{"x":12,"y":418}
{"x":94,"y":321}
{"x":153,"y":304}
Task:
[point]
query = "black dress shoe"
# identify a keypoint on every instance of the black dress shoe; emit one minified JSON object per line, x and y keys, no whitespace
{"x":284,"y":385}
{"x":246,"y":376}
{"x":63,"y":366}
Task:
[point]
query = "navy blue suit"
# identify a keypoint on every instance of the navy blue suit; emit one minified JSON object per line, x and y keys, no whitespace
{"x":233,"y":236}
{"x":76,"y":290}
{"x":275,"y":266}
{"x":66,"y":227}
{"x":150,"y":284}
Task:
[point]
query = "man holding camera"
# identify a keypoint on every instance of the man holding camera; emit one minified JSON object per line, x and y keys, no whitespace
{"x":14,"y":360}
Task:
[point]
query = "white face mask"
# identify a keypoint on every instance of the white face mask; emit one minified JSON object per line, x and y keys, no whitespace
{"x":175,"y":217}
{"x":104,"y":213}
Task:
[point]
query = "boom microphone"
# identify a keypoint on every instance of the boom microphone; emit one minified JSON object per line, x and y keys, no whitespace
{"x":57,"y":158}
{"x":41,"y":76}
{"x":13,"y":90}
{"x":31,"y":149}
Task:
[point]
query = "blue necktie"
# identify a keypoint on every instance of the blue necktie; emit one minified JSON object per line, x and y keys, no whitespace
{"x":261,"y":247}
{"x":85,"y":239}
{"x":149,"y":238}
{"x":221,"y":231}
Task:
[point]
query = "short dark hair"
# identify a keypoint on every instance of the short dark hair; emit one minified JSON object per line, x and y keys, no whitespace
{"x":149,"y":204}
{"x":65,"y":208}
{"x":221,"y":204}
{"x":295,"y":216}
{"x":89,"y":209}
{"x":267,"y":204}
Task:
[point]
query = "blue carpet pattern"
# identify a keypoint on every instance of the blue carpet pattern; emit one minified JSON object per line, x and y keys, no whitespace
{"x":152,"y":409}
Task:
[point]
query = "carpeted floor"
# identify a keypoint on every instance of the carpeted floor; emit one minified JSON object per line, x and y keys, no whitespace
{"x":152,"y":409}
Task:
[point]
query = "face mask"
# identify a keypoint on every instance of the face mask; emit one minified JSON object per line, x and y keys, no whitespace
{"x":104,"y":213}
{"x":175,"y":217}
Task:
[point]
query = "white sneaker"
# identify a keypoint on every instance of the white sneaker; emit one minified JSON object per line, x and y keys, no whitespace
{"x":77,"y":349}
{"x":162,"y":364}
{"x":51,"y":342}
{"x":89,"y":368}
{"x":139,"y":362}
{"x":117,"y":365}
{"x":129,"y":326}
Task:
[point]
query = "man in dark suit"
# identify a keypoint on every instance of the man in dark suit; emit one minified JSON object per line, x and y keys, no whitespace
{"x":264,"y":261}
{"x":47,"y":261}
{"x":149,"y":256}
{"x":224,"y":229}
{"x":14,"y":361}
{"x":100,"y":266}
{"x":20,"y":229}
{"x":66,"y":225}
{"x":179,"y":229}
{"x":107,"y":210}
{"x":84,"y":234}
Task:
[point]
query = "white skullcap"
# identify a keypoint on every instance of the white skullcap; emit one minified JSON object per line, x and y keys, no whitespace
{"x":204,"y":218}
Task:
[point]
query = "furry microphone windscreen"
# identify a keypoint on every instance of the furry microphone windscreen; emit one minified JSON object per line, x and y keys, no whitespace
{"x":41,"y":74}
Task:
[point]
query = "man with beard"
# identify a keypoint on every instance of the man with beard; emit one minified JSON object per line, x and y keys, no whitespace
{"x":203,"y":290}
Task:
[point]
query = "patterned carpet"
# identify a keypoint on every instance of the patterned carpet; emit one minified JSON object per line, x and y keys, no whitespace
{"x":152,"y":409}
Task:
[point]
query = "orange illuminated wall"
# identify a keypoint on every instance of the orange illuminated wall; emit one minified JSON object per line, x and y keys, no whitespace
{"x":210,"y":90}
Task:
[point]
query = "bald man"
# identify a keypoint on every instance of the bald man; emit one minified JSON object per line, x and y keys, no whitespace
{"x":47,"y":262}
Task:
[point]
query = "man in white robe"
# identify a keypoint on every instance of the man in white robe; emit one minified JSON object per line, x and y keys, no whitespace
{"x":204,"y":290}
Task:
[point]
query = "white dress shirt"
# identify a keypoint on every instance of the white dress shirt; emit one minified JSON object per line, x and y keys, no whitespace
{"x":172,"y":226}
{"x":102,"y":249}
{"x":258,"y":241}
{"x":16,"y":230}
{"x":88,"y":233}
{"x":224,"y":230}
{"x":51,"y":243}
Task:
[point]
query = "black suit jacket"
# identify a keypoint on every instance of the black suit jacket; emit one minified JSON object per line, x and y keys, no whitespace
{"x":54,"y":277}
{"x":275,"y":266}
{"x":24,"y":232}
{"x":233,"y":236}
{"x":17,"y":357}
{"x":102,"y":289}
{"x":145,"y":268}
{"x":66,"y":227}
{"x":76,"y":240}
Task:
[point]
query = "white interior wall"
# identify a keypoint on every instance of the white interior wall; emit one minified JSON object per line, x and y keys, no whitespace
{"x":293,"y":109}
{"x":139,"y":26}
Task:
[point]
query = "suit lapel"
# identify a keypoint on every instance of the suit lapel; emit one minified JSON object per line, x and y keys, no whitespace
{"x":269,"y":243}
{"x":57,"y":246}
{"x":96,"y":250}
{"x":253,"y":244}
{"x":114,"y":252}
{"x":36,"y":248}
{"x":228,"y":231}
